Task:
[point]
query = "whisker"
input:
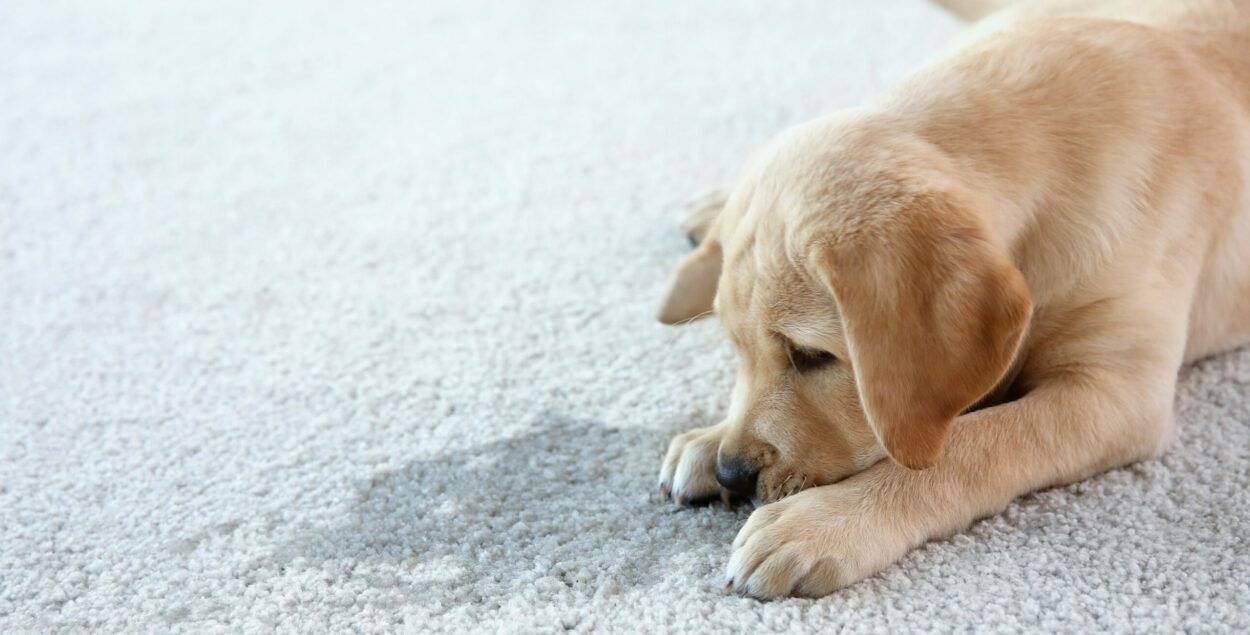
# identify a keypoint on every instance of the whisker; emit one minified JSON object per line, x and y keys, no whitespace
{"x":695,"y":317}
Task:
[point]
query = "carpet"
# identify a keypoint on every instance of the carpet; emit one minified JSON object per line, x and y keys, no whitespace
{"x":322,"y":316}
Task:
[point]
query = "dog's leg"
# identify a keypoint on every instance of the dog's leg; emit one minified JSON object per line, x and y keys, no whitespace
{"x":972,"y":10}
{"x":1108,"y":406}
{"x":699,"y":213}
{"x":688,"y":474}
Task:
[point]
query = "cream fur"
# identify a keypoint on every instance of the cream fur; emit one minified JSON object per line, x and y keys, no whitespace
{"x":1035,"y":230}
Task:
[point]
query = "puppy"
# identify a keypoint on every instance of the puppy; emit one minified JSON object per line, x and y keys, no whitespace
{"x":980,"y":284}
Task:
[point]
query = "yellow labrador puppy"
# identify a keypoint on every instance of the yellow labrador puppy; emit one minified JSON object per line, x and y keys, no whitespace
{"x":978,"y":285}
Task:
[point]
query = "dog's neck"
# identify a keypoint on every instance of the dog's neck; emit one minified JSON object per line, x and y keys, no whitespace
{"x":1041,"y":205}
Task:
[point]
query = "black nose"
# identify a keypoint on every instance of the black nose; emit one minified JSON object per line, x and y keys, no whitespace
{"x":736,"y":474}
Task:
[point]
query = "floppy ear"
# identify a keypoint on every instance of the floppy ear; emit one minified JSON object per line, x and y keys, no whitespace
{"x":692,"y":287}
{"x":933,"y":314}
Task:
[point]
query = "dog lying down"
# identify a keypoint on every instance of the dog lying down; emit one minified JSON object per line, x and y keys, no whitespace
{"x":980,"y":284}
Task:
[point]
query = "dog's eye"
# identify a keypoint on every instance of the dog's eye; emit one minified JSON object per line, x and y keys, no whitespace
{"x":806,"y":359}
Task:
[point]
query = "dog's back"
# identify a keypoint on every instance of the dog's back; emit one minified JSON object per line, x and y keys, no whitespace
{"x":1206,"y":15}
{"x":1195,"y":60}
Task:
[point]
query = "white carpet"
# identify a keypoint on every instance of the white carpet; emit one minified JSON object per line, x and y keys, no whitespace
{"x":337,"y":316}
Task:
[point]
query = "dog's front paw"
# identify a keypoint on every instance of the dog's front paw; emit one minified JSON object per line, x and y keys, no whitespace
{"x":813,"y":543}
{"x":688,"y":473}
{"x":701,"y":212}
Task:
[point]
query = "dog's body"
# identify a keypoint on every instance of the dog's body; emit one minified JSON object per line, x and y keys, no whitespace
{"x":990,"y":275}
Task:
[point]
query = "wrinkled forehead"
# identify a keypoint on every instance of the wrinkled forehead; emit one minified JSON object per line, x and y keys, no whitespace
{"x":764,"y":286}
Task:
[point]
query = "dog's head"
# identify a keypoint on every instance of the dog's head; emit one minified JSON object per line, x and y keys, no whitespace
{"x":866,"y":298}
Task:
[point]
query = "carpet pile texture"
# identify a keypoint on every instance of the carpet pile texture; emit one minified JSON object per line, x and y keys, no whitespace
{"x":338,"y":316}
